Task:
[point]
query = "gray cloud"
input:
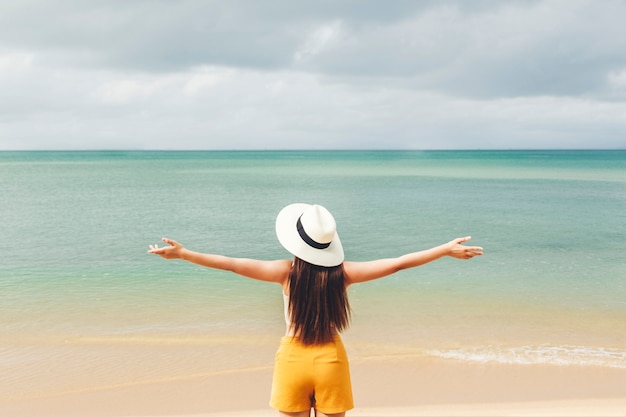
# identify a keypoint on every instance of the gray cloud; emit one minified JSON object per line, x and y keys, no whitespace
{"x":512,"y":50}
{"x":481,"y":48}
{"x":328,"y":74}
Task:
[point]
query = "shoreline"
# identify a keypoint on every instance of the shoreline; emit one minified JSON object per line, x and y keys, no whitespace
{"x":426,"y":387}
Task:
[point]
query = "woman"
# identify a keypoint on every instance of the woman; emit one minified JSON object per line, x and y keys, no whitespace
{"x":311,"y":369}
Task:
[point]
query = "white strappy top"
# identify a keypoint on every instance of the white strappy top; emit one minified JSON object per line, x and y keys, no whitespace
{"x":289,"y":330}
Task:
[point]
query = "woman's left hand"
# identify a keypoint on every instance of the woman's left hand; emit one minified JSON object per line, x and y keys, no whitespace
{"x":173,"y":251}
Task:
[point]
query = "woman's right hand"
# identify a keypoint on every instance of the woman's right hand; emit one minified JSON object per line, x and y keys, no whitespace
{"x":173,"y":251}
{"x":460,"y":251}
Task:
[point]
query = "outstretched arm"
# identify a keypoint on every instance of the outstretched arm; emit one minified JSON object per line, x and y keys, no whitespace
{"x":271,"y":271}
{"x":366,"y":271}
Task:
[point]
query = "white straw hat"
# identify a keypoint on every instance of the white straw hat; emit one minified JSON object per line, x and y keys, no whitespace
{"x":310,"y":233}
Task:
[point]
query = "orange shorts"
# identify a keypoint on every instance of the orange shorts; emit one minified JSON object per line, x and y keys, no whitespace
{"x":316,"y":376}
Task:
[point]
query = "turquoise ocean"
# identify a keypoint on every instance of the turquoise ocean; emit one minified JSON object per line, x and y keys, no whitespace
{"x":84,"y":307}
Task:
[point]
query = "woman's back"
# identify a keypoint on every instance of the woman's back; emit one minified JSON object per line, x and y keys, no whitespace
{"x":318,"y":306}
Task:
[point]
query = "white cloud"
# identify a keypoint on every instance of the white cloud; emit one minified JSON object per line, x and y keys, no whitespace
{"x":259,"y":110}
{"x":317,"y":41}
{"x":203,"y":78}
{"x":617,"y":79}
{"x":121,"y":91}
{"x":15,"y":61}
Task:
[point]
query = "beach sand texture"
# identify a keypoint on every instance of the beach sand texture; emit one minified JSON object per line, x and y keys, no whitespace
{"x":382,"y":387}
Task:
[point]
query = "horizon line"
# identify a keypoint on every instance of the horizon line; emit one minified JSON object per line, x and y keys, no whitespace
{"x":311,"y":150}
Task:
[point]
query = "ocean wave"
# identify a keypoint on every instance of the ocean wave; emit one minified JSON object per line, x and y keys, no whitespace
{"x":544,"y":354}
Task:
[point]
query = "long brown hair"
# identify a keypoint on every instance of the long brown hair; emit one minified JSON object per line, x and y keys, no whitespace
{"x":318,"y":302}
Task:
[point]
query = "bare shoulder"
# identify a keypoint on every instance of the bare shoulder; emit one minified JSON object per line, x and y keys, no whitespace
{"x":349,"y":267}
{"x":282,"y":267}
{"x":271,"y":271}
{"x":352,"y":271}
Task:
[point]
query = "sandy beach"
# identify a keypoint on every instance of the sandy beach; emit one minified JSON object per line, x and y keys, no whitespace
{"x":382,"y":388}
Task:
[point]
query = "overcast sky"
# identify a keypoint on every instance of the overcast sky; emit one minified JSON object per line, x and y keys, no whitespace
{"x":289,"y":74}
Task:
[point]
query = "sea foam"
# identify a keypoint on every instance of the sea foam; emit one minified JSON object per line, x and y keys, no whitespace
{"x":541,"y":355}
